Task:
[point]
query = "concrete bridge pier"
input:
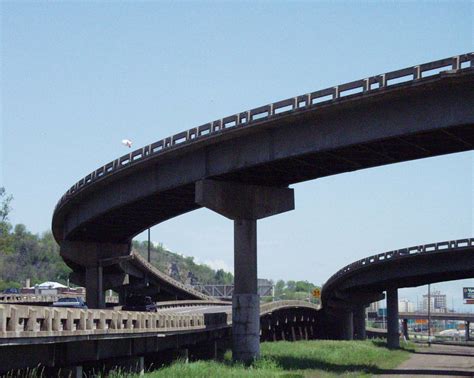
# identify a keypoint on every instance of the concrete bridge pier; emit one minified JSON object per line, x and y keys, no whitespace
{"x":95,"y":297}
{"x":244,"y":204}
{"x":93,"y":256}
{"x":347,"y":324}
{"x":393,"y":338}
{"x":359,"y":322}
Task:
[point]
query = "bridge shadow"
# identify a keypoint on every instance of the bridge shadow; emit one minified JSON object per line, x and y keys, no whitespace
{"x":301,"y":363}
{"x":426,"y":372}
{"x":445,"y":354}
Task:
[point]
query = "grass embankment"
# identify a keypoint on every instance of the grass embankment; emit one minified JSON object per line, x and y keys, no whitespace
{"x":321,"y":358}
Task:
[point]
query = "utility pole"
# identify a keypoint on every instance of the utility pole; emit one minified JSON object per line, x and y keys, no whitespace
{"x":149,"y":255}
{"x":429,"y":315}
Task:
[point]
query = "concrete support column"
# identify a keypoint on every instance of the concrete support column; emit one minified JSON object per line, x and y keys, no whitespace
{"x":359,"y":323}
{"x":245,"y":301}
{"x":94,"y":287}
{"x":468,"y":333}
{"x":346,"y":324}
{"x":393,"y":339}
{"x":405,"y":329}
{"x":92,"y":257}
{"x":244,"y":204}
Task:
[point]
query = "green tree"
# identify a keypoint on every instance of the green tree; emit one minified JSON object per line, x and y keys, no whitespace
{"x":5,"y":201}
{"x":279,"y":288}
{"x":5,"y":226}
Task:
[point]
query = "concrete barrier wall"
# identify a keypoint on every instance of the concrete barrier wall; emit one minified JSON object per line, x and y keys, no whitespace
{"x":34,"y":321}
{"x":23,"y":321}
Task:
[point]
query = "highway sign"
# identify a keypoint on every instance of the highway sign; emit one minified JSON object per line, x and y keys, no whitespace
{"x":317,"y":293}
{"x":421,"y":321}
{"x":468,"y":292}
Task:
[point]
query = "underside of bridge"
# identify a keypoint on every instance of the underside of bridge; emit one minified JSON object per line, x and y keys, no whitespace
{"x":346,"y":295}
{"x":243,"y":171}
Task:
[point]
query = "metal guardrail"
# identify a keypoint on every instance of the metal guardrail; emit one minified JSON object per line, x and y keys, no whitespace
{"x":191,"y":303}
{"x":273,"y":111}
{"x":269,"y":307}
{"x":162,"y":276}
{"x":401,"y":253}
{"x":226,"y":291}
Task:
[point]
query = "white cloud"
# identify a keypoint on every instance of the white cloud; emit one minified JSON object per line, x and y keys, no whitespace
{"x":218,"y":264}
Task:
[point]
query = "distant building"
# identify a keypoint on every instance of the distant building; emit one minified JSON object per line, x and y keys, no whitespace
{"x":437,"y":302}
{"x":404,"y":305}
{"x":374,"y":307}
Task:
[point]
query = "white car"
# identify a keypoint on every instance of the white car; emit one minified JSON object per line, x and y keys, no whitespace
{"x":74,"y":302}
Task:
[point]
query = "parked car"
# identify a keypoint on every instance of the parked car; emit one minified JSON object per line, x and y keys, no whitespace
{"x":74,"y":302}
{"x":139,"y":303}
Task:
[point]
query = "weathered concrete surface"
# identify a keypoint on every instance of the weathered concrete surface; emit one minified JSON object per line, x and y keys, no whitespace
{"x":244,"y":204}
{"x":358,"y":319}
{"x":245,"y":327}
{"x":393,"y":338}
{"x":439,"y":361}
{"x":427,"y":117}
{"x":242,"y":201}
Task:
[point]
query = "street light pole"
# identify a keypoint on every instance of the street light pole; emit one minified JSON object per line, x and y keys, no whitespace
{"x":429,"y":314}
{"x":149,"y":256}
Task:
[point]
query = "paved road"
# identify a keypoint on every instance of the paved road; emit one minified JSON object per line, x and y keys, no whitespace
{"x":438,"y":361}
{"x":195,"y":310}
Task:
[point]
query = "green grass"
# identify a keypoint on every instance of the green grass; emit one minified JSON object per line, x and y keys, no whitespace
{"x":317,"y":358}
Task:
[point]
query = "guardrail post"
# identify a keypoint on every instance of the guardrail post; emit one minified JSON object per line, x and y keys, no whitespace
{"x":3,"y":319}
{"x":416,"y":73}
{"x":456,"y":63}
{"x":56,"y":323}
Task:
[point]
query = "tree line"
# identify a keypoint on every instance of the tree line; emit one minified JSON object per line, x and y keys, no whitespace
{"x":24,"y":255}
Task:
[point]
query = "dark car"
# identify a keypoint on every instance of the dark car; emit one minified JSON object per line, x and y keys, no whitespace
{"x":70,"y":302}
{"x":11,"y":290}
{"x":139,"y":303}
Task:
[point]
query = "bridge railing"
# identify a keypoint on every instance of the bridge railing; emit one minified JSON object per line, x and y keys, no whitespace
{"x":20,"y":321}
{"x":400,"y":253}
{"x":266,"y":308}
{"x":33,"y":321}
{"x":45,"y":298}
{"x":276,"y":109}
{"x":190,"y":303}
{"x":164,"y":277}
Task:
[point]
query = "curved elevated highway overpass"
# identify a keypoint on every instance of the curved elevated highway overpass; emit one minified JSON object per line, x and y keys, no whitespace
{"x":240,"y":166}
{"x":133,"y":274}
{"x":346,"y":294}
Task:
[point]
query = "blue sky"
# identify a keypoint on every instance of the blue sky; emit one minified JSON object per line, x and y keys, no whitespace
{"x":78,"y":77}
